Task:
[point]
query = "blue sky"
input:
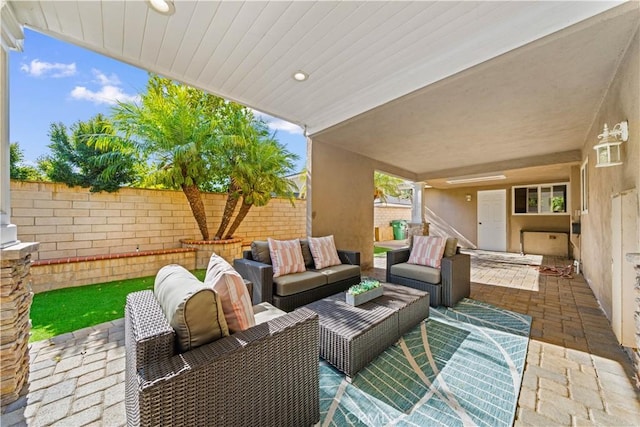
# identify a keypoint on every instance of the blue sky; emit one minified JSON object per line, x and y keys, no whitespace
{"x":53,"y":81}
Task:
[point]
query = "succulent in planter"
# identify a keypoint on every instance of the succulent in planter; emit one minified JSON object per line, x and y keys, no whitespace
{"x":364,"y":286}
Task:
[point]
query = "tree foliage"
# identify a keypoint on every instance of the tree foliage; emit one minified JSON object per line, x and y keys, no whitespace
{"x":253,"y":163}
{"x":175,"y":126}
{"x":76,"y":159}
{"x":385,"y":186}
{"x":17,"y":169}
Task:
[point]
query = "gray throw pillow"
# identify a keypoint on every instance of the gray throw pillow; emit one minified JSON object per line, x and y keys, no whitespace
{"x":260,"y":251}
{"x":306,"y":253}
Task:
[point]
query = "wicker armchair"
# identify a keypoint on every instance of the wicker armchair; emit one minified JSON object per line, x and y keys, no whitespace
{"x":267,"y":375}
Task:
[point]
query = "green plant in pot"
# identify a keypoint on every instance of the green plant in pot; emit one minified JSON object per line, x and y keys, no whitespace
{"x":364,"y":286}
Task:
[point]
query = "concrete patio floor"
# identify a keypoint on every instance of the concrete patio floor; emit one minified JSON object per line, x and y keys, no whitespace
{"x":576,"y":373}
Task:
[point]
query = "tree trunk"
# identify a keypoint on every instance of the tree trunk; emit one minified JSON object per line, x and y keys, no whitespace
{"x":197,"y":208}
{"x":229,"y":207}
{"x":242,"y":213}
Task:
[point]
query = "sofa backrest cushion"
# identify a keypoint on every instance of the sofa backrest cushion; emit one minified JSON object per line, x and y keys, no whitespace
{"x":450,"y":247}
{"x":233,"y":293}
{"x":427,"y":250}
{"x":306,"y":254}
{"x":260,"y":251}
{"x":286,"y":257}
{"x":193,"y":309}
{"x":324,"y":251}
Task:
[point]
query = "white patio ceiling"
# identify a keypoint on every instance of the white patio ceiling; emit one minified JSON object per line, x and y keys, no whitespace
{"x":431,"y":88}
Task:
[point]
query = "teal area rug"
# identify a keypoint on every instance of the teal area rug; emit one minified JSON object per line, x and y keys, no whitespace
{"x":462,"y":366}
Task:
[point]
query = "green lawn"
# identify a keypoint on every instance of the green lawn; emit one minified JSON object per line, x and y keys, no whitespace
{"x":65,"y":310}
{"x":379,"y":250}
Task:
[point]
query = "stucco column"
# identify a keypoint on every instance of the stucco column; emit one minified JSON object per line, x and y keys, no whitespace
{"x":12,"y":36}
{"x":308,"y":183}
{"x":418,"y":219}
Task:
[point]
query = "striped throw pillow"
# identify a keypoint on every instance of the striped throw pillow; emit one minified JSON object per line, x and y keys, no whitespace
{"x":323,"y":250}
{"x":427,"y":250}
{"x":233,"y":294}
{"x":286,"y":257}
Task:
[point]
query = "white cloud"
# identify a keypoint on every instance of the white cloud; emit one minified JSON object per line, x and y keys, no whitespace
{"x":37,"y":68}
{"x":104,"y":80}
{"x":278,"y":124}
{"x":108,"y":94}
{"x":109,"y":91}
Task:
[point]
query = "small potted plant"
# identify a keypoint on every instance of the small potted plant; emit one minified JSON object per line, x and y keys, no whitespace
{"x":364,"y":291}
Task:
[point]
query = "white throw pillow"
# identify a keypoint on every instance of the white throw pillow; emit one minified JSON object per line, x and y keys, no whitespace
{"x":286,"y":257}
{"x":233,"y":293}
{"x":427,"y":250}
{"x":323,"y":250}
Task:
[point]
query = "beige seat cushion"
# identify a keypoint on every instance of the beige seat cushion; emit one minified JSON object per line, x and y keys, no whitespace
{"x":264,"y":312}
{"x":336,"y":273}
{"x":192,"y":308}
{"x":298,"y":282}
{"x":417,"y":272}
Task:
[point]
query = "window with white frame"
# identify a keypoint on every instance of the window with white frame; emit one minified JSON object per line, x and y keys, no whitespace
{"x":584,"y":186}
{"x":541,"y":199}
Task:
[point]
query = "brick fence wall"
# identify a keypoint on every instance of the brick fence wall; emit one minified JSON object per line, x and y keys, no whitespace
{"x":72,"y":222}
{"x":383,"y":215}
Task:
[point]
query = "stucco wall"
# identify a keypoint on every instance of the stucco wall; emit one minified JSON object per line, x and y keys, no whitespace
{"x":621,"y":102}
{"x":340,"y":197}
{"x":72,"y":222}
{"x":450,"y":214}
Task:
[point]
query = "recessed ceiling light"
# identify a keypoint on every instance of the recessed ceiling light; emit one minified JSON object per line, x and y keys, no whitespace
{"x":300,"y":76}
{"x":165,"y":7}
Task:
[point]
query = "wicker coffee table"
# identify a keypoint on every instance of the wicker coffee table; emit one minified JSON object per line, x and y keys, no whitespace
{"x":351,"y":337}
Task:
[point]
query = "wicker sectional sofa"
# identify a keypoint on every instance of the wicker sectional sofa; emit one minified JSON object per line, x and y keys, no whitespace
{"x":297,"y":289}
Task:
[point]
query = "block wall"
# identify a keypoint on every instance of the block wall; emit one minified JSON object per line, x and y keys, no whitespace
{"x":72,"y":222}
{"x":383,"y":215}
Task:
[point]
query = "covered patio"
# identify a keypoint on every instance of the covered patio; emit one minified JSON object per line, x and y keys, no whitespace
{"x":461,"y":98}
{"x":575,"y":373}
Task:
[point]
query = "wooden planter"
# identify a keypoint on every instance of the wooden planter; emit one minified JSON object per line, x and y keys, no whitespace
{"x":364,"y":297}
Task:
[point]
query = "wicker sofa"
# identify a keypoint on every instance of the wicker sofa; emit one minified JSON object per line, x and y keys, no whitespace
{"x":264,"y":376}
{"x":446,"y":285}
{"x":297,"y":289}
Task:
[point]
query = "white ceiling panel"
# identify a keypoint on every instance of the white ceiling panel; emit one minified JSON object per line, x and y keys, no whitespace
{"x":366,"y":58}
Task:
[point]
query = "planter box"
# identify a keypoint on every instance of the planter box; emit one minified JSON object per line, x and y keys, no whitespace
{"x":364,"y":297}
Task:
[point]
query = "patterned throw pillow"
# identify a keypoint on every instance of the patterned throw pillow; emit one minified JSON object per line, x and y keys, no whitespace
{"x":324,"y":251}
{"x":427,"y":250}
{"x":286,"y":257}
{"x":233,"y":293}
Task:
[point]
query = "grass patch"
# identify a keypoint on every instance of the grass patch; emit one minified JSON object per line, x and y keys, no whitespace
{"x":380,"y":250}
{"x":66,"y":310}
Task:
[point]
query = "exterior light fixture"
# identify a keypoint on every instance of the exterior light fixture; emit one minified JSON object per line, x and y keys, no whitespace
{"x":608,"y":150}
{"x":300,"y":76}
{"x":468,"y":197}
{"x":164,"y":7}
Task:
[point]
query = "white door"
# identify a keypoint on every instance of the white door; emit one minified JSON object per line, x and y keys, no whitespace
{"x":492,"y":220}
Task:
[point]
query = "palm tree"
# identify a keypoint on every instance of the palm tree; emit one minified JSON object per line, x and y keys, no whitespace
{"x":256,"y":165}
{"x":176,"y":126}
{"x":386,"y":185}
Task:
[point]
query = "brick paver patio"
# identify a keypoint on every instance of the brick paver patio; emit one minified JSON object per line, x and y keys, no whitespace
{"x":576,"y":373}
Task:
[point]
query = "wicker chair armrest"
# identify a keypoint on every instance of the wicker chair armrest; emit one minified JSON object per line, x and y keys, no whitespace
{"x":266,"y":375}
{"x":456,"y":277}
{"x":396,"y":256}
{"x":261,"y":275}
{"x":349,"y":257}
{"x":147,"y":332}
